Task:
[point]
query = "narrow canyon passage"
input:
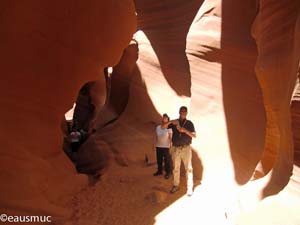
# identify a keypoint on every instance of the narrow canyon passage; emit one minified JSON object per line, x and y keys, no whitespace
{"x":234,"y":66}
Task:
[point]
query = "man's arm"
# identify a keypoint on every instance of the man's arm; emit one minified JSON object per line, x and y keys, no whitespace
{"x":191,"y":134}
{"x":175,"y":122}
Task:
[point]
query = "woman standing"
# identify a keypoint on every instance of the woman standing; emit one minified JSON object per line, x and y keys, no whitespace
{"x":163,"y":144}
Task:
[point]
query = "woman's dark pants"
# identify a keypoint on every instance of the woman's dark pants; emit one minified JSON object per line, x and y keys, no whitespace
{"x":163,"y":155}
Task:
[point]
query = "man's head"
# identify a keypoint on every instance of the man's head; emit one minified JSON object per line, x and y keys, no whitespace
{"x":182,"y":112}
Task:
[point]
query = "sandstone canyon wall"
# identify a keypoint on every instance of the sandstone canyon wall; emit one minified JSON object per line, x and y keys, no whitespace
{"x":228,"y":62}
{"x":233,"y":63}
{"x":48,"y":51}
{"x":276,"y":69}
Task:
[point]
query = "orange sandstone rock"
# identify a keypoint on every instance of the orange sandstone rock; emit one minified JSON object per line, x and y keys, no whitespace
{"x":48,"y":51}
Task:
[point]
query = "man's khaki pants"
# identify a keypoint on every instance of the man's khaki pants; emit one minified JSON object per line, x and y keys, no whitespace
{"x":183,"y":153}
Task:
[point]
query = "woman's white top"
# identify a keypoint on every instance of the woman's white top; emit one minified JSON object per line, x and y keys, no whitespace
{"x":162,"y":137}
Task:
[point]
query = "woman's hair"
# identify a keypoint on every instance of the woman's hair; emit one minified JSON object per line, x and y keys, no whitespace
{"x":166,"y":115}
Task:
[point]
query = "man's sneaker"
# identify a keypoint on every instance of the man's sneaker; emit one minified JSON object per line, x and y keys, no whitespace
{"x":189,"y":192}
{"x":157,"y":173}
{"x":174,"y":189}
{"x":167,"y":176}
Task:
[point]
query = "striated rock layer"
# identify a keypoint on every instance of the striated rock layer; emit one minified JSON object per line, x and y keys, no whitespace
{"x":276,"y":30}
{"x":48,"y":51}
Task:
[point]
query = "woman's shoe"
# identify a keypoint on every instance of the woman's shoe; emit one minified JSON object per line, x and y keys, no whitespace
{"x":157,"y":173}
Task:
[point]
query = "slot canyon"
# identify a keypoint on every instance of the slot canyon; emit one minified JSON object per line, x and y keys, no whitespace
{"x":234,"y":65}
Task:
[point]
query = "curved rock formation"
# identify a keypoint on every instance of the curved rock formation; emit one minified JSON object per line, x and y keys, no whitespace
{"x":277,"y":37}
{"x":276,"y":69}
{"x":48,"y":51}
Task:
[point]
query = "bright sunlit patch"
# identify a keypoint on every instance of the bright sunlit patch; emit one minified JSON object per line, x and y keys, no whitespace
{"x":69,"y":114}
{"x":204,"y":207}
{"x":109,"y":70}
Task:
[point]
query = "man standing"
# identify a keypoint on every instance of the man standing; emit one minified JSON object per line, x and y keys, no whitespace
{"x":183,"y":132}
